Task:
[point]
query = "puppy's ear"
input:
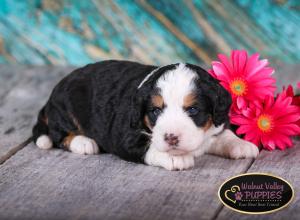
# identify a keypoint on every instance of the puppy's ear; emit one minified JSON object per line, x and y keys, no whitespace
{"x":138,"y":107}
{"x":218,"y":96}
{"x":221,"y":105}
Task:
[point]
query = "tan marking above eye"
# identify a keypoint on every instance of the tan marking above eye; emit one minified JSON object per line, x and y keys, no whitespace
{"x":189,"y":100}
{"x":157,"y":101}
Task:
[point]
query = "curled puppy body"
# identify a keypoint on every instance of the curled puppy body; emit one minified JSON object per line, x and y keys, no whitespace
{"x":162,"y":116}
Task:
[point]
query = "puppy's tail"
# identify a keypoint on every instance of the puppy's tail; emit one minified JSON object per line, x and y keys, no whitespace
{"x":41,"y":130}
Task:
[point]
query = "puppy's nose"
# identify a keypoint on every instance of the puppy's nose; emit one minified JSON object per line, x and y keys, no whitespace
{"x":171,"y":139}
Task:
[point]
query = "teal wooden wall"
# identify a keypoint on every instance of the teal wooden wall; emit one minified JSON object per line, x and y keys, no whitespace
{"x":62,"y":32}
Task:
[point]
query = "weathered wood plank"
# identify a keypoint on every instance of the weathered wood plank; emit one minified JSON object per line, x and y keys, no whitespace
{"x":285,"y":164}
{"x":8,"y":79}
{"x":160,"y":32}
{"x":19,"y":107}
{"x":54,"y":184}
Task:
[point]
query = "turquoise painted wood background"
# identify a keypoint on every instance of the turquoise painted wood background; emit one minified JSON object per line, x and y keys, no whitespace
{"x":63,"y":32}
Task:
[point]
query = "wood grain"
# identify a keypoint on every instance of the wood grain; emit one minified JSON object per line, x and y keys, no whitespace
{"x":55,"y":184}
{"x":24,"y":93}
{"x":157,"y":32}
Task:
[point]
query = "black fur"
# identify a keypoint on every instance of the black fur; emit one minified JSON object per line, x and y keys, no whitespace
{"x":217,"y":98}
{"x":102,"y":101}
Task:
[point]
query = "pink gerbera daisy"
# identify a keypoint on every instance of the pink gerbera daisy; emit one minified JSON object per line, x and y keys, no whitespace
{"x":270,"y":123}
{"x":295,"y":98}
{"x":247,"y":79}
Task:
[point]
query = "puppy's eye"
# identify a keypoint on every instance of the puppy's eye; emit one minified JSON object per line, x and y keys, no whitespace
{"x":156,"y":111}
{"x":192,"y":111}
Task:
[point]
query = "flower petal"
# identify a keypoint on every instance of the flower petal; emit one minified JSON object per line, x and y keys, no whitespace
{"x":242,"y":60}
{"x":220,"y":71}
{"x":226,"y":62}
{"x":244,"y":129}
{"x":259,"y":66}
{"x":241,"y":103}
{"x":239,"y":120}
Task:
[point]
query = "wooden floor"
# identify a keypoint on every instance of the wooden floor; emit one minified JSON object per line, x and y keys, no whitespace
{"x":39,"y":184}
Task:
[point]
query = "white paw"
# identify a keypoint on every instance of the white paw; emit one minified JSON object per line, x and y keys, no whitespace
{"x":242,"y":149}
{"x":83,"y":145}
{"x":162,"y":159}
{"x":183,"y":162}
{"x":44,"y":142}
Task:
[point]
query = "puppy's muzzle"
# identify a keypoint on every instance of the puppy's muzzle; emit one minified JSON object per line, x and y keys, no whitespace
{"x":171,"y":139}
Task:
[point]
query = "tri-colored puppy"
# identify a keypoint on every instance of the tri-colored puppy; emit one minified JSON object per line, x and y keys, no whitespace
{"x":162,"y":116}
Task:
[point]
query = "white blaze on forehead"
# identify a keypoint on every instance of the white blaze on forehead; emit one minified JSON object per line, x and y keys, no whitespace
{"x":176,"y":84}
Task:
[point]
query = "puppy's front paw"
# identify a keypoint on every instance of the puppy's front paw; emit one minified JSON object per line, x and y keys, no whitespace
{"x":163,"y":159}
{"x":182,"y":162}
{"x":242,"y":149}
{"x":83,"y":145}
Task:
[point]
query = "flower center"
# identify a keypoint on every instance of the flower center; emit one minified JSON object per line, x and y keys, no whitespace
{"x":238,"y":87}
{"x":264,"y":122}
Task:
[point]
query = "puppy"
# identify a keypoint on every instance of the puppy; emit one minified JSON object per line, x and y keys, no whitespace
{"x":162,"y":116}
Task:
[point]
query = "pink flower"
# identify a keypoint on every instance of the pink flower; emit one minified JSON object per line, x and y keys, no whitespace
{"x":271,"y":122}
{"x":290,"y":93}
{"x":247,"y":79}
{"x":296,"y":99}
